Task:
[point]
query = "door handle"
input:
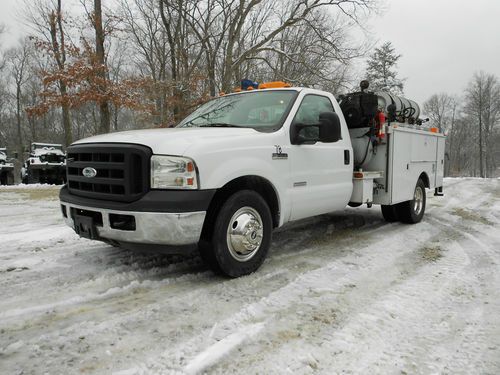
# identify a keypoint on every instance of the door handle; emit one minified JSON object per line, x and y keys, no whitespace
{"x":347,"y":157}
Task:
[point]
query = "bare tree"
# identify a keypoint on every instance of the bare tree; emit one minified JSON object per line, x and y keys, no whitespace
{"x":287,"y":14}
{"x":482,"y":104}
{"x":47,"y":21}
{"x":100,"y":57}
{"x":439,"y":109}
{"x":300,"y":41}
{"x":179,"y":52}
{"x":18,"y":63}
{"x":143,"y":25}
{"x":2,"y":59}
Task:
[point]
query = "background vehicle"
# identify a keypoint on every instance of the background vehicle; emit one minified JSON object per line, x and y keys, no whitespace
{"x":6,"y":169}
{"x":46,"y":164}
{"x":245,"y":163}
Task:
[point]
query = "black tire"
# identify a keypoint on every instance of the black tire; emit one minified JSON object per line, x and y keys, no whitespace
{"x":10,"y":179}
{"x":390,"y":213}
{"x":219,"y":252}
{"x":33,"y":177}
{"x":411,"y":212}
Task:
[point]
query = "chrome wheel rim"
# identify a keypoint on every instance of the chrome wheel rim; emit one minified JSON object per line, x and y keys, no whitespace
{"x":418,"y":200}
{"x":244,"y":234}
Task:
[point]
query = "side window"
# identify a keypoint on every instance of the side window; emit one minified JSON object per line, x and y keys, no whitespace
{"x":308,"y":114}
{"x":311,"y":107}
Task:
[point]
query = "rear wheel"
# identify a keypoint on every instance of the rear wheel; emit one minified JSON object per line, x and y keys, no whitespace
{"x":412,"y":211}
{"x":389,"y":212}
{"x":241,"y":235}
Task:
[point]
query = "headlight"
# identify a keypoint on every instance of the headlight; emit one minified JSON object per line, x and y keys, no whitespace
{"x":173,"y":172}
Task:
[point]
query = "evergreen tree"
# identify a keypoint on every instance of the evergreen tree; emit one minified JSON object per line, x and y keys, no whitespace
{"x":381,"y":71}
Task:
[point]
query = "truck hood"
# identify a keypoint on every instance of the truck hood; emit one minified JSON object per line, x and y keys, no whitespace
{"x":173,"y":141}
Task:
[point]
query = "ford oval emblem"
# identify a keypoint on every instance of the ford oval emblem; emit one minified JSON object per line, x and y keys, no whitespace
{"x":89,"y":172}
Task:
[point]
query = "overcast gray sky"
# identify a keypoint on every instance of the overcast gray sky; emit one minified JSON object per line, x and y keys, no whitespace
{"x":443,"y":42}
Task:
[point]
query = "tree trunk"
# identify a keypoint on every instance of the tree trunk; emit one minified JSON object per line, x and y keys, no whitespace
{"x":105,"y":126}
{"x":18,"y":118}
{"x":115,"y":118}
{"x":68,"y":131}
{"x":211,"y":74}
{"x":176,"y":93}
{"x":481,"y":172}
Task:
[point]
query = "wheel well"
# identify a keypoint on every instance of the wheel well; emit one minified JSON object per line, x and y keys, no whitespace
{"x":255,"y":183}
{"x":423,"y":176}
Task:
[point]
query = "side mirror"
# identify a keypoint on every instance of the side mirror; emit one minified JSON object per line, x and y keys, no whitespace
{"x":329,"y":127}
{"x":301,"y":134}
{"x":327,"y":131}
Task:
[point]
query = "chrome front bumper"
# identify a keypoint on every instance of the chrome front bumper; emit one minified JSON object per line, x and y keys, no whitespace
{"x":155,"y":228}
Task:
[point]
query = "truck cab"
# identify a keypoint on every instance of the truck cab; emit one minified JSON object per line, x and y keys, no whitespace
{"x":237,"y":167}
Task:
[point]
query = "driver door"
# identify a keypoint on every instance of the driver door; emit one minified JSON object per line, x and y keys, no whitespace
{"x":321,"y":175}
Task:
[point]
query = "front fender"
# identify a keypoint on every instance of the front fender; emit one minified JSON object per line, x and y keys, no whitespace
{"x":225,"y":171}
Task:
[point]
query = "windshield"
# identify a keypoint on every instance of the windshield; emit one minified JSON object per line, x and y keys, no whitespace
{"x":261,"y":110}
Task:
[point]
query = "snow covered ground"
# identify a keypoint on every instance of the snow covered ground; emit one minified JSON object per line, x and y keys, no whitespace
{"x":340,"y":293}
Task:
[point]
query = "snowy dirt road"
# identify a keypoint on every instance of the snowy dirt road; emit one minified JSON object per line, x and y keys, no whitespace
{"x":340,"y":293}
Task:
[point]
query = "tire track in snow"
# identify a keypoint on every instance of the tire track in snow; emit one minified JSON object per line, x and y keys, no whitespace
{"x":271,"y":305}
{"x":181,"y":315}
{"x":450,"y":263}
{"x":379,"y":354}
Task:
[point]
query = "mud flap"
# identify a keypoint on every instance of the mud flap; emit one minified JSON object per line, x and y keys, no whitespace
{"x":85,"y":227}
{"x":438,"y":192}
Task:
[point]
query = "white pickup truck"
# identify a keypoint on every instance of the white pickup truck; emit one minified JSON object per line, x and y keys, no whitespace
{"x":245,"y":163}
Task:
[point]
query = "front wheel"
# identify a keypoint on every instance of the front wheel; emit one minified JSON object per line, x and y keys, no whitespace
{"x":411,"y":212}
{"x":241,"y":235}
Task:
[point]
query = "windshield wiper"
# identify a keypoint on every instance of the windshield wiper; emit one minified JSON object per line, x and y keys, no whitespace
{"x":219,"y":125}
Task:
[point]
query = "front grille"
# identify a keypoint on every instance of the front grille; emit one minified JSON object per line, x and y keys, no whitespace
{"x":51,"y":158}
{"x":122,"y":171}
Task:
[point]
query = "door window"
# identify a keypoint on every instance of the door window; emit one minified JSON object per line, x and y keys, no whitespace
{"x":308,"y":114}
{"x":311,"y":107}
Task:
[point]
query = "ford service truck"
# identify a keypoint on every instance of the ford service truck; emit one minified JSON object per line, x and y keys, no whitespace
{"x":245,"y":163}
